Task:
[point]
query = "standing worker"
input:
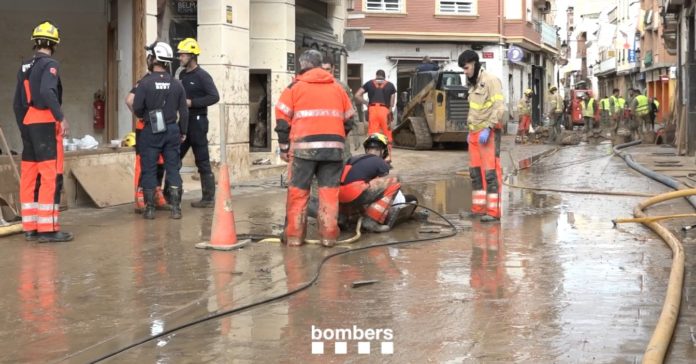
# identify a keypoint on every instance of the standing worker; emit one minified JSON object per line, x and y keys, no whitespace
{"x":382,"y":96}
{"x":654,"y":109}
{"x":524,"y":109}
{"x":157,"y":99}
{"x":160,"y":201}
{"x":312,"y":120}
{"x":37,"y":106}
{"x":556,"y":114}
{"x":618,"y":103}
{"x":200,"y":93}
{"x":605,"y":113}
{"x":641,"y":114}
{"x":587,"y":106}
{"x":486,"y":110}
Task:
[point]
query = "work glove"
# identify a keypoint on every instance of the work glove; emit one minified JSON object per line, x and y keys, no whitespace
{"x":483,"y":136}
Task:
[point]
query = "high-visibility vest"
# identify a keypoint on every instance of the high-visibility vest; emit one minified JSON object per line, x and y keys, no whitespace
{"x":657,"y":104}
{"x":642,"y":105}
{"x":588,"y":108}
{"x":605,"y":104}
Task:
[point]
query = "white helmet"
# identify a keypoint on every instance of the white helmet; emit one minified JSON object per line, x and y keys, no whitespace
{"x":161,"y":51}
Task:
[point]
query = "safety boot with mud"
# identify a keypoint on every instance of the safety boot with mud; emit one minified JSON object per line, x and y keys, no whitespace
{"x":55,"y":237}
{"x":292,"y":241}
{"x":489,"y":218}
{"x":175,"y":202}
{"x":371,"y":225}
{"x":208,"y":192}
{"x":149,"y":197}
{"x":32,"y":235}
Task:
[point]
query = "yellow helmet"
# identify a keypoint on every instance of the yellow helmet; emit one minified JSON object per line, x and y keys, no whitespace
{"x":129,"y":140}
{"x":46,"y":31}
{"x":377,"y":140}
{"x":189,"y":45}
{"x":528,"y":92}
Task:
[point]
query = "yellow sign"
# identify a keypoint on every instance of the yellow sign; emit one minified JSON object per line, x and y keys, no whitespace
{"x":229,"y":14}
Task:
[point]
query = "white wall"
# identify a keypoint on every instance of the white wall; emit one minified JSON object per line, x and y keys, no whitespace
{"x":82,"y":54}
{"x":125,"y":64}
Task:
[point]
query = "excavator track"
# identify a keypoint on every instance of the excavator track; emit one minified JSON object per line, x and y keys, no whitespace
{"x":413,"y":134}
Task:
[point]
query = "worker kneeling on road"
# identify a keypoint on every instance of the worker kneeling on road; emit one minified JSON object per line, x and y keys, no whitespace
{"x":367,"y":189}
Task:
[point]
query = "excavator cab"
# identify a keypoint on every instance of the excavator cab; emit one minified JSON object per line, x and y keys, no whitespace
{"x":435,"y":110}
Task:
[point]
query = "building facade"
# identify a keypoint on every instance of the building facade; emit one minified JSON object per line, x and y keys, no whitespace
{"x":250,"y":47}
{"x":399,"y":33}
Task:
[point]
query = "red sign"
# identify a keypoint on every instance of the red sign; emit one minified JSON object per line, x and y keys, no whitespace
{"x":488,"y":55}
{"x":664,"y":78}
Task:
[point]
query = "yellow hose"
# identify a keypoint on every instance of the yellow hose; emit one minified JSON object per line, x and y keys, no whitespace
{"x":664,"y":330}
{"x":652,"y":218}
{"x":350,"y":240}
{"x":10,"y":229}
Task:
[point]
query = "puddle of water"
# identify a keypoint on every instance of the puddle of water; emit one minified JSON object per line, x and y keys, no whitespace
{"x":449,"y":196}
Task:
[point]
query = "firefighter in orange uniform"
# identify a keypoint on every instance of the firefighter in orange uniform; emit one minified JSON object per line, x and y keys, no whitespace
{"x":313,"y":118}
{"x":382,"y":95}
{"x":485,"y":114}
{"x":37,"y":107}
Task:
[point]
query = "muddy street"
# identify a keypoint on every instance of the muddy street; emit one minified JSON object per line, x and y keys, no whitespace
{"x":555,"y":281}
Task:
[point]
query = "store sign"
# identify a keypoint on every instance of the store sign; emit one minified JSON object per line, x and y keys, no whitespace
{"x":229,"y":15}
{"x":488,"y":55}
{"x":631,"y":56}
{"x":291,"y":62}
{"x":515,"y":54}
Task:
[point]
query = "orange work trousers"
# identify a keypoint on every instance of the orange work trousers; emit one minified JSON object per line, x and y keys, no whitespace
{"x":300,"y":175}
{"x":41,"y":179}
{"x":486,"y":174}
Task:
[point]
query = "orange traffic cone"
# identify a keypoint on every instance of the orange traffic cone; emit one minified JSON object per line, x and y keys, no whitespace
{"x":223,"y":234}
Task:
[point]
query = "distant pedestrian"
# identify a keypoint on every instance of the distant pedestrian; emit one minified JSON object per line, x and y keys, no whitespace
{"x":524,"y":110}
{"x":427,"y":65}
{"x":556,"y":108}
{"x":654,"y":109}
{"x":641,"y":114}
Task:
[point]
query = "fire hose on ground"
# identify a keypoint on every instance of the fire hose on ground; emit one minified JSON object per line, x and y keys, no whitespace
{"x":664,"y":329}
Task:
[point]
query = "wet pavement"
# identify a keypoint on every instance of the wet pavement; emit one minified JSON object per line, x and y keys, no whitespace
{"x":554,"y":282}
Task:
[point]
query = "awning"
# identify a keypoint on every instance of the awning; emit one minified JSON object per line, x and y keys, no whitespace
{"x":417,"y":58}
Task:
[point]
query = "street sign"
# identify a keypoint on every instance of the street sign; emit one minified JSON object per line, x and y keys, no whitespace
{"x":515,"y":54}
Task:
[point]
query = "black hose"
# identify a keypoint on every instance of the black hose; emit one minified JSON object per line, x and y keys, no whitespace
{"x":250,"y":306}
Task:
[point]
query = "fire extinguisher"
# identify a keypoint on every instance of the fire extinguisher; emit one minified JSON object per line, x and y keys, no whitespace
{"x":98,"y":108}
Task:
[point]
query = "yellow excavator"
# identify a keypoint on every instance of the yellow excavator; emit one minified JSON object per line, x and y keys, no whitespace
{"x":435,"y":110}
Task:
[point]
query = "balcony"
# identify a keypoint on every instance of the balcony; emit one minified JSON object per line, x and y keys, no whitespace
{"x":549,"y":35}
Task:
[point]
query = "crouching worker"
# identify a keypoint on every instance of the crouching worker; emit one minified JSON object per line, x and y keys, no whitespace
{"x":367,"y":189}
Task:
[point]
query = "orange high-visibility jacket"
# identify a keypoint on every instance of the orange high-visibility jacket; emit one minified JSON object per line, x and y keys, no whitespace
{"x":313,"y":116}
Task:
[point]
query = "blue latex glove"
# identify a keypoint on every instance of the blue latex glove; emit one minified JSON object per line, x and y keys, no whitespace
{"x":483,"y":136}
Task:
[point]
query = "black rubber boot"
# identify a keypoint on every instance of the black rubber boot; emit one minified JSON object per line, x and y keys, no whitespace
{"x":55,"y":237}
{"x":208,"y":191}
{"x":175,"y":201}
{"x":31,"y":235}
{"x":149,"y":197}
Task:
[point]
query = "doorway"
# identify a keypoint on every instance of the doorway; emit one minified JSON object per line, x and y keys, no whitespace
{"x":259,"y":111}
